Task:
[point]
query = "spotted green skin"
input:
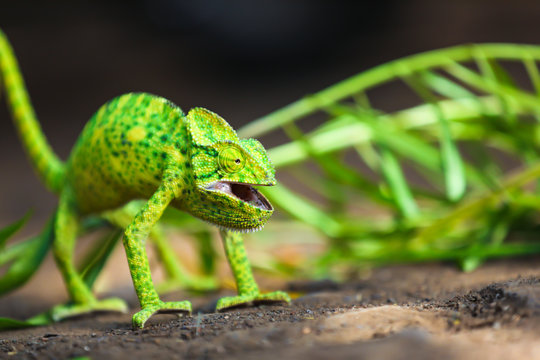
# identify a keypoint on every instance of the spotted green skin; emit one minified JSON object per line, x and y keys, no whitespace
{"x":141,"y":146}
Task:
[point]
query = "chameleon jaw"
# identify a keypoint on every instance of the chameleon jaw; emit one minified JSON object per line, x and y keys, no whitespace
{"x":243,"y":192}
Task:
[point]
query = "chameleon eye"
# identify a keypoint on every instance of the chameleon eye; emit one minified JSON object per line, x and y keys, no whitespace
{"x":231,"y":160}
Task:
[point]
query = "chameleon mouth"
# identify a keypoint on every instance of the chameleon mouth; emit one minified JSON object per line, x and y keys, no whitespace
{"x":243,"y":192}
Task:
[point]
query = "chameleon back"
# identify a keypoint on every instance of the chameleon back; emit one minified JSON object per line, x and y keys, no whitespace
{"x":120,"y":154}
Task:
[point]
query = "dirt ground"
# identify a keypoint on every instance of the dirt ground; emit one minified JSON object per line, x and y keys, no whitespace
{"x":401,"y":312}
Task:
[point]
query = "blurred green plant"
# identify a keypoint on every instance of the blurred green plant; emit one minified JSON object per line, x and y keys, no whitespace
{"x":430,"y":175}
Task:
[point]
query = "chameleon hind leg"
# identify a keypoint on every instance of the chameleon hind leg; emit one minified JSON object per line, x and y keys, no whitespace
{"x":176,"y":276}
{"x":248,"y":291}
{"x":134,"y":241}
{"x":82,"y":299}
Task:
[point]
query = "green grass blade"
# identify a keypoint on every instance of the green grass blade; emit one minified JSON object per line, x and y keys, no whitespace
{"x":38,"y":320}
{"x":523,"y":99}
{"x":11,"y":229}
{"x":470,"y":209}
{"x":532,"y":71}
{"x":452,"y":164}
{"x":321,"y":184}
{"x":27,"y":261}
{"x":398,"y":185}
{"x":97,"y":257}
{"x":207,"y":252}
{"x":445,"y":86}
{"x":302,"y":209}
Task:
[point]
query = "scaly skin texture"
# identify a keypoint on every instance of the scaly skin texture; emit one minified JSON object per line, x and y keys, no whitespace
{"x":141,"y":146}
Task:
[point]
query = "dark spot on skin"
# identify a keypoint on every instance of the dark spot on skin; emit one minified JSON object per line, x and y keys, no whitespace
{"x":115,"y":154}
{"x":163,"y":155}
{"x":206,"y":176}
{"x":164,"y":138}
{"x":156,"y":177}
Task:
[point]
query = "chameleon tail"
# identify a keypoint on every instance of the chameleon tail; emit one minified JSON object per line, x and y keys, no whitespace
{"x":48,"y":166}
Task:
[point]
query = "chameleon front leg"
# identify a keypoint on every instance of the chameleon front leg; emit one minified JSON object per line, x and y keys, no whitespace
{"x":82,"y":300}
{"x":134,"y":241}
{"x":177,"y":276}
{"x":248,"y":291}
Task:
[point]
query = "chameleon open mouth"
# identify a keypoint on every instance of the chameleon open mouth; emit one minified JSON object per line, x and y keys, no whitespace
{"x":244,"y":192}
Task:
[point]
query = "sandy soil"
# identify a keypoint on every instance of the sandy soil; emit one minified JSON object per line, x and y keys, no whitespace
{"x":402,"y":312}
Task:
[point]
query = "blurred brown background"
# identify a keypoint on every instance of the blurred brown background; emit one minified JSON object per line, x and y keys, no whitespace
{"x":240,"y":58}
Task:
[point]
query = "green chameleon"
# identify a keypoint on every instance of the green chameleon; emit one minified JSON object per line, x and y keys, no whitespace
{"x":141,"y":146}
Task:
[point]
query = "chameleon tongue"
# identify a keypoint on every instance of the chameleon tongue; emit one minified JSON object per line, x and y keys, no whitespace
{"x":244,"y":192}
{"x":221,"y":186}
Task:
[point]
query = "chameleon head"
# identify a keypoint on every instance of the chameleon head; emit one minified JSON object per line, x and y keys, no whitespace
{"x":225,"y":171}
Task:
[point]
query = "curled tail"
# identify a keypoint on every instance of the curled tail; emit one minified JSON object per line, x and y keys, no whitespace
{"x":48,"y":166}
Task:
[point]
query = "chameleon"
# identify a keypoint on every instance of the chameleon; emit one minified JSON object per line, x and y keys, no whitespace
{"x":142,"y":146}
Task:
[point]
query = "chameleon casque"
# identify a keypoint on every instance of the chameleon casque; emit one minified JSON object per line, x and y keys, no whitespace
{"x":141,"y":146}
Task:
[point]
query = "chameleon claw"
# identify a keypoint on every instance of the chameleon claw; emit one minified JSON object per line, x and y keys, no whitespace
{"x":140,"y":318}
{"x":228,"y":302}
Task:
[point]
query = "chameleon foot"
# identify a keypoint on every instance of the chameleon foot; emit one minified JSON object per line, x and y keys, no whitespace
{"x":233,"y":301}
{"x":140,"y":318}
{"x":193,"y":283}
{"x":61,"y":312}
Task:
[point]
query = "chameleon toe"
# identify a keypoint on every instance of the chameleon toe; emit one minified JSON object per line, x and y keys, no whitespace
{"x":276,"y":296}
{"x":229,"y":302}
{"x":140,"y":318}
